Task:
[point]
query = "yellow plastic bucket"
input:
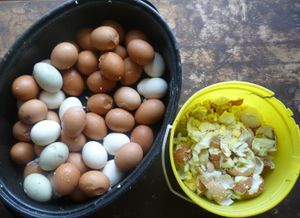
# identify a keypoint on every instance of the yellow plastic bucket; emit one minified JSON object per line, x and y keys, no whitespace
{"x":281,"y":180}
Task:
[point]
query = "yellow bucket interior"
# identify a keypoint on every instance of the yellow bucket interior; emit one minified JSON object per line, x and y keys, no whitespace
{"x":280,"y":181}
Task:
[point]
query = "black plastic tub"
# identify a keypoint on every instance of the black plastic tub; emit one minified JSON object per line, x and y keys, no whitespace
{"x":34,"y":45}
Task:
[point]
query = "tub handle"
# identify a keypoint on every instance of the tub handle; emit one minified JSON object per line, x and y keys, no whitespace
{"x":163,"y":162}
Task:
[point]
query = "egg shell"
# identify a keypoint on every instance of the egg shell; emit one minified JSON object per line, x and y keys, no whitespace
{"x":119,"y":120}
{"x":32,"y":111}
{"x":47,"y":77}
{"x":95,"y":127}
{"x":127,"y":98}
{"x":52,"y":115}
{"x":111,"y":66}
{"x":53,"y":155}
{"x":45,"y":132}
{"x":121,"y":51}
{"x":22,"y":152}
{"x":104,"y":38}
{"x":94,"y":183}
{"x":32,"y":167}
{"x":65,"y":179}
{"x":156,"y":67}
{"x":150,"y":111}
{"x":140,"y":51}
{"x":113,"y":173}
{"x":64,"y":55}
{"x":52,"y":100}
{"x":83,"y":38}
{"x":87,"y":62}
{"x":143,"y":135}
{"x":74,"y":121}
{"x":73,"y":83}
{"x":21,"y":131}
{"x":135,"y":34}
{"x":67,"y":104}
{"x":99,"y":84}
{"x":133,"y":72}
{"x":76,"y":159}
{"x":74,"y":143}
{"x":100,"y":103}
{"x":128,"y":156}
{"x":117,"y":26}
{"x":114,"y":141}
{"x":94,"y":155}
{"x":38,"y":187}
{"x":25,"y":88}
{"x":153,"y":88}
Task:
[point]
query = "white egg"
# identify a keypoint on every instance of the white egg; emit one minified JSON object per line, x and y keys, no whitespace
{"x":113,"y":173}
{"x":48,"y":77}
{"x":52,"y":100}
{"x":113,"y":141}
{"x":37,"y":187}
{"x":94,"y":155}
{"x":53,"y":155}
{"x":157,"y":67}
{"x":67,"y":104}
{"x":45,"y":132}
{"x":152,"y":88}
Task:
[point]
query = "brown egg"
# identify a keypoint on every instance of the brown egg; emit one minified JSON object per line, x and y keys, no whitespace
{"x":119,"y":120}
{"x":127,"y":98}
{"x":83,"y":38}
{"x":140,"y":51}
{"x":87,"y":62}
{"x":100,"y":103}
{"x":25,"y":88}
{"x":38,"y":149}
{"x":21,"y":132}
{"x":32,"y":167}
{"x":135,"y":34}
{"x":105,"y":38}
{"x":128,"y":156}
{"x":117,"y":26}
{"x":150,"y":111}
{"x":75,"y":143}
{"x":22,"y":152}
{"x":73,"y":83}
{"x":64,"y":55}
{"x":133,"y":72}
{"x":99,"y":84}
{"x":94,"y":183}
{"x":52,"y":115}
{"x":73,"y":121}
{"x":73,"y":43}
{"x":121,"y":51}
{"x":77,"y":161}
{"x":77,"y":195}
{"x":32,"y":111}
{"x":65,"y":179}
{"x":95,"y":127}
{"x":111,"y":66}
{"x":143,"y":135}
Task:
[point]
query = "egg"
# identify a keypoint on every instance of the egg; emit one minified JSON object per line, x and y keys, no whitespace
{"x":45,"y":132}
{"x":73,"y":83}
{"x":94,"y":155}
{"x":117,"y":26}
{"x":113,"y":141}
{"x":64,"y":55}
{"x":52,"y":100}
{"x":104,"y":38}
{"x":52,"y":115}
{"x":47,"y":77}
{"x":87,"y":62}
{"x":65,"y":179}
{"x":119,"y":120}
{"x":94,"y":183}
{"x":73,"y":121}
{"x":100,"y":103}
{"x":121,"y":51}
{"x":22,"y":152}
{"x":67,"y":104}
{"x":38,"y":149}
{"x":73,"y":143}
{"x":143,"y":135}
{"x":156,"y":67}
{"x":99,"y":84}
{"x":113,"y":173}
{"x":53,"y":155}
{"x":25,"y":88}
{"x":135,"y":34}
{"x":32,"y":111}
{"x":140,"y":51}
{"x":95,"y":127}
{"x":21,"y":131}
{"x":77,"y":161}
{"x":128,"y":156}
{"x":150,"y":111}
{"x":111,"y":66}
{"x":133,"y":72}
{"x":38,"y":187}
{"x":83,"y":38}
{"x":127,"y":98}
{"x":32,"y":167}
{"x":153,"y":88}
{"x":77,"y":195}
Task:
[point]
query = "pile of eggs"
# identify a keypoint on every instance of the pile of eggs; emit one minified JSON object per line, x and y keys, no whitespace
{"x":86,"y":114}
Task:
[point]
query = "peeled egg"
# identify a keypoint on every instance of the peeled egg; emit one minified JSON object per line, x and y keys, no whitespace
{"x":156,"y":67}
{"x":113,"y":141}
{"x":133,"y":72}
{"x":32,"y":111}
{"x":150,"y":111}
{"x":87,"y":62}
{"x":52,"y":100}
{"x":119,"y":120}
{"x":83,"y":38}
{"x":73,"y":83}
{"x":100,"y":103}
{"x":77,"y":161}
{"x":67,"y":104}
{"x":140,"y":51}
{"x":64,"y":55}
{"x":127,"y":98}
{"x":104,"y":38}
{"x":94,"y":183}
{"x":21,"y":131}
{"x":25,"y":88}
{"x":153,"y":88}
{"x":143,"y":135}
{"x":111,"y":66}
{"x":99,"y":84}
{"x":45,"y":132}
{"x":74,"y":143}
{"x":32,"y":167}
{"x":22,"y":152}
{"x":95,"y":127}
{"x":135,"y":34}
{"x":113,"y":173}
{"x":117,"y":26}
{"x":94,"y":155}
{"x":73,"y":121}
